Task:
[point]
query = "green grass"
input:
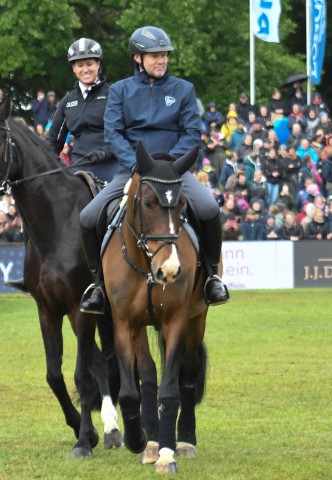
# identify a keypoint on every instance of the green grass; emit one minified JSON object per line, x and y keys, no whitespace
{"x":267,"y":413}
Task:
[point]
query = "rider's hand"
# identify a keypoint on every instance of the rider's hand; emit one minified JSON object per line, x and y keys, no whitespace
{"x":96,"y":156}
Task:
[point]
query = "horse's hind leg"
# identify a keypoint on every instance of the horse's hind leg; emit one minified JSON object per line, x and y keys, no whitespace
{"x":51,"y":329}
{"x":192,"y":385}
{"x":147,"y":373}
{"x":85,"y":384}
{"x":112,"y":435}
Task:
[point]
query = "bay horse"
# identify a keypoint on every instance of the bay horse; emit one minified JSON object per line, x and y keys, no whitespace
{"x":49,"y":200}
{"x":153,"y":276}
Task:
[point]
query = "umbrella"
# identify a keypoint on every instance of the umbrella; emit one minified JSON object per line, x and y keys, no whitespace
{"x":298,"y":77}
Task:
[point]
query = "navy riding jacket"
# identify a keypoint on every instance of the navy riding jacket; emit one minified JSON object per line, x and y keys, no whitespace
{"x":162,"y":114}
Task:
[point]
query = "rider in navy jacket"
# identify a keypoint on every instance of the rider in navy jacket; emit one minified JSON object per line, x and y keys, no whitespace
{"x":161,"y":111}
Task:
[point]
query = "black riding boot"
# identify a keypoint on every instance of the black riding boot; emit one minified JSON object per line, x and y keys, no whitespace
{"x":215,"y":292}
{"x":93,"y":299}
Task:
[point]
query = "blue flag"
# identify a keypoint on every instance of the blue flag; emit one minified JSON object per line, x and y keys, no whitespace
{"x":265,"y":19}
{"x":318,"y":39}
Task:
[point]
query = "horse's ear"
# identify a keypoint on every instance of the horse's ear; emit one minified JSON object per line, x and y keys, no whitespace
{"x":4,"y":110}
{"x":184,"y":163}
{"x":144,"y":160}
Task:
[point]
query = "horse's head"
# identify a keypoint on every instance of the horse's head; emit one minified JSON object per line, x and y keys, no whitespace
{"x":158,"y":207}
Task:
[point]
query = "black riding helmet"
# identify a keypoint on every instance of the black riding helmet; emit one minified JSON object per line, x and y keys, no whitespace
{"x":84,"y":48}
{"x":148,"y":40}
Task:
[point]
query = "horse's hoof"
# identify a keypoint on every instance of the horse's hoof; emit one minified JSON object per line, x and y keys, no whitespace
{"x":81,"y":452}
{"x":186,"y":450}
{"x":113,"y":439}
{"x":150,"y":454}
{"x":137,"y":446}
{"x":168,"y":468}
{"x":93,"y":438}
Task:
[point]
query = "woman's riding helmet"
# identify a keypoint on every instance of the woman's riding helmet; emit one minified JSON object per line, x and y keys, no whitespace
{"x":148,"y":40}
{"x":84,"y":48}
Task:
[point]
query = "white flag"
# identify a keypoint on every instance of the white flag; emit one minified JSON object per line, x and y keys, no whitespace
{"x":265,"y":19}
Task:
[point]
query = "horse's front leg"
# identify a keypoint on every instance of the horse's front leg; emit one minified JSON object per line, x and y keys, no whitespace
{"x":135,"y":437}
{"x":85,"y":382}
{"x":147,"y":373}
{"x":169,"y":399}
{"x":51,"y":329}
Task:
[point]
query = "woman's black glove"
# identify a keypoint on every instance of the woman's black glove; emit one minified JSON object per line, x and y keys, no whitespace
{"x":96,"y":156}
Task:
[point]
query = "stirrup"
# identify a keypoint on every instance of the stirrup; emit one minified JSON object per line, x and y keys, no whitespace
{"x":86,"y":298}
{"x":223,"y":298}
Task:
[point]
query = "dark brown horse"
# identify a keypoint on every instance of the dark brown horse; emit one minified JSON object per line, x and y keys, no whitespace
{"x":152,"y":276}
{"x":49,"y":200}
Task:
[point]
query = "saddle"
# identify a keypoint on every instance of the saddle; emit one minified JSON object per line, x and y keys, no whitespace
{"x":94,"y":183}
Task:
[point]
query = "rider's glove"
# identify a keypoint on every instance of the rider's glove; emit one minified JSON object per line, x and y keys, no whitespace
{"x":96,"y":156}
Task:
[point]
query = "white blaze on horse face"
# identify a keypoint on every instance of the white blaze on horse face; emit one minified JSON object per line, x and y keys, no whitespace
{"x":171,"y":266}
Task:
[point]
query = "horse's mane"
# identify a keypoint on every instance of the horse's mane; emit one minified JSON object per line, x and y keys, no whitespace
{"x":29,"y":136}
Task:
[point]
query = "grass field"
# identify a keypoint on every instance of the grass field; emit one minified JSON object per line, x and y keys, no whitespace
{"x":267,"y":413}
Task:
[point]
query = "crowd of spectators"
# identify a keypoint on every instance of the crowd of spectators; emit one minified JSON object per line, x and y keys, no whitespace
{"x":268,"y":186}
{"x":270,"y":183}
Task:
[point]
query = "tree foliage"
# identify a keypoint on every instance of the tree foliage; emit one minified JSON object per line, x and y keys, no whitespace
{"x":211,"y":41}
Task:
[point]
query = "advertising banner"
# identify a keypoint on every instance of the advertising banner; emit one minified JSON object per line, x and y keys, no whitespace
{"x":313,"y":264}
{"x":318,"y":39}
{"x":11,"y":265}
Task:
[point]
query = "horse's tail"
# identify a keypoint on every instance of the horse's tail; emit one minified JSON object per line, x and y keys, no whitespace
{"x":200,"y":383}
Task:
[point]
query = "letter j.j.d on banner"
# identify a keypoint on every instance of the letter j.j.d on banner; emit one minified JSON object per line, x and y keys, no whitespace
{"x":317,"y":39}
{"x":265,"y":18}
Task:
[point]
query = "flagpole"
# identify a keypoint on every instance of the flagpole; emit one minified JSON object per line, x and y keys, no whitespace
{"x":252,"y":57}
{"x":308,"y":31}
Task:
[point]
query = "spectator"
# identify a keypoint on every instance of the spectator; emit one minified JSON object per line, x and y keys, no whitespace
{"x":257,"y":130}
{"x":286,"y":198}
{"x":303,"y":213}
{"x":291,"y":229}
{"x":231,"y":228}
{"x":4,"y":227}
{"x":210,"y":171}
{"x":52,"y":104}
{"x":297,"y":95}
{"x":295,"y":137}
{"x":15,"y":230}
{"x":317,"y":103}
{"x":2,"y":96}
{"x":328,"y":214}
{"x":64,"y":154}
{"x":251,"y":119}
{"x":258,"y":190}
{"x":309,"y":213}
{"x":276,"y":211}
{"x":245,"y":148}
{"x":40,"y":131}
{"x":6,"y":200}
{"x":325,"y":123}
{"x":312,"y":122}
{"x":230,"y":168}
{"x":306,"y":149}
{"x":251,"y":228}
{"x":213,"y":117}
{"x":291,"y":165}
{"x":40,"y":109}
{"x":244,"y":106}
{"x":265,"y":116}
{"x":217,"y":150}
{"x":326,"y":173}
{"x":252,"y":161}
{"x":297,"y":116}
{"x":271,"y":231}
{"x":318,"y":228}
{"x":273,"y":173}
{"x":306,"y":172}
{"x":277,"y":107}
{"x":230,"y":125}
{"x":237,"y":136}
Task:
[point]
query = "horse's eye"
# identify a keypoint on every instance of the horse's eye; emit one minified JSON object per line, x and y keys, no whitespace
{"x":148,"y":204}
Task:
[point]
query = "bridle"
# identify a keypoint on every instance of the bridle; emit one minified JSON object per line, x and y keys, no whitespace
{"x":142,"y":238}
{"x":10,"y":154}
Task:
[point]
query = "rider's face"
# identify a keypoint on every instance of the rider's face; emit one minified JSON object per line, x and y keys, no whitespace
{"x":86,"y":70}
{"x":155,"y":64}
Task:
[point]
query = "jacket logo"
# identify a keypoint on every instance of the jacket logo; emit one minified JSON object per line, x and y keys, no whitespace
{"x":102,"y":97}
{"x":169,"y":101}
{"x":72,"y":104}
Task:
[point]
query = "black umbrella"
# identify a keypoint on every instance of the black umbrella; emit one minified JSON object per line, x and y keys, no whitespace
{"x":298,"y":77}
